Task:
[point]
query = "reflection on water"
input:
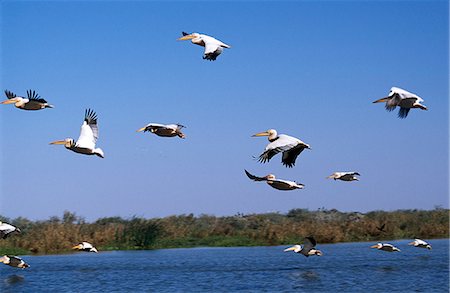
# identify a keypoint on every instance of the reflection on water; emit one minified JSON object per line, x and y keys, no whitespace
{"x":310,"y":276}
{"x":13,"y":279}
{"x":387,"y":269}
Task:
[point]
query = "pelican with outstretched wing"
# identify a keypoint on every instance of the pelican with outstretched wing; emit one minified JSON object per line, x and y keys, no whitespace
{"x":290,"y":146}
{"x":164,"y":130}
{"x":14,"y":261}
{"x":385,"y":247}
{"x":279,"y":184}
{"x":88,"y":137}
{"x":404,"y":99}
{"x":7,"y":229}
{"x":85,"y":246}
{"x":308,"y":248}
{"x":32,"y":102}
{"x":345,"y":176}
{"x":420,"y":243}
{"x":213,"y":47}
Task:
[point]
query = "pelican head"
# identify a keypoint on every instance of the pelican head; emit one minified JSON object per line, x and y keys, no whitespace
{"x":295,"y":248}
{"x":78,"y":246}
{"x":4,"y":259}
{"x":18,"y":101}
{"x":191,"y":37}
{"x":377,"y":246}
{"x":271,"y":133}
{"x":270,"y":177}
{"x":68,"y":142}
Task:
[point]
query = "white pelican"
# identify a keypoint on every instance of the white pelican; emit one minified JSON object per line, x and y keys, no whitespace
{"x":344,"y":176}
{"x":385,"y":247}
{"x":404,"y":99}
{"x":88,"y":137}
{"x":14,"y":261}
{"x":213,"y":47}
{"x":420,"y":243}
{"x":85,"y":246}
{"x":307,"y":249}
{"x":32,"y":102}
{"x":276,"y":183}
{"x":169,"y":130}
{"x":7,"y":229}
{"x":290,"y":146}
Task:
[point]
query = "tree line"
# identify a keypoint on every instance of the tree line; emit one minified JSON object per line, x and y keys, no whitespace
{"x":57,"y":235}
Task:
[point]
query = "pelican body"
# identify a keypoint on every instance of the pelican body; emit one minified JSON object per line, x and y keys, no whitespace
{"x":6,"y":230}
{"x":85,"y":246}
{"x":88,"y":137}
{"x":276,"y":183}
{"x":213,"y":47}
{"x":404,"y":99}
{"x":290,"y":146}
{"x":164,"y":130}
{"x":420,"y":243}
{"x":385,"y":247}
{"x":14,"y":261}
{"x":345,"y":176}
{"x":307,"y":249}
{"x":32,"y":102}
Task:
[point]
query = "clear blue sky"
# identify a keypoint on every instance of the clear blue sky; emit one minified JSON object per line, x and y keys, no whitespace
{"x":308,"y":69}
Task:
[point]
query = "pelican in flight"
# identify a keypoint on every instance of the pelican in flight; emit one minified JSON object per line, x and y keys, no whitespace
{"x":85,"y":246}
{"x":32,"y":102}
{"x":213,"y":47}
{"x":404,"y":99}
{"x":307,"y":249}
{"x":344,"y":176}
{"x":7,"y":229}
{"x":169,"y":130}
{"x":420,"y":243}
{"x":290,"y":146}
{"x":88,"y":137}
{"x":276,"y":183}
{"x":385,"y":247}
{"x":14,"y":261}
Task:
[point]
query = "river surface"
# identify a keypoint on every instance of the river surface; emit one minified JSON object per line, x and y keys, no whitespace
{"x":344,"y":267}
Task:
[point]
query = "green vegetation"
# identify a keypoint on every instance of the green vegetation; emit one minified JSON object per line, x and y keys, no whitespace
{"x":57,"y":235}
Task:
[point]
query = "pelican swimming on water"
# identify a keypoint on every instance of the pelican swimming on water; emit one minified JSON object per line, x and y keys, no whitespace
{"x":6,"y":230}
{"x":307,"y":249}
{"x":88,"y":137}
{"x":85,"y":246}
{"x":404,"y":99}
{"x":14,"y":261}
{"x":344,"y":176}
{"x":385,"y":247}
{"x":420,"y":243}
{"x":290,"y":146}
{"x":164,"y":130}
{"x":279,"y":184}
{"x":32,"y":102}
{"x":213,"y":47}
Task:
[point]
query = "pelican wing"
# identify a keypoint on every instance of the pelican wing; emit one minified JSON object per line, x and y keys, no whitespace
{"x":289,"y":156}
{"x":254,"y":178}
{"x":309,"y":243}
{"x":393,"y":102}
{"x":10,"y":95}
{"x":421,"y":242}
{"x":281,"y":184}
{"x":89,"y":130}
{"x":403,"y":112}
{"x":14,"y":261}
{"x":6,"y":229}
{"x":33,"y":96}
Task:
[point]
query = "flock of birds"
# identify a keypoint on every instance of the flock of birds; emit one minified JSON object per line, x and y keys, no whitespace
{"x":290,"y":147}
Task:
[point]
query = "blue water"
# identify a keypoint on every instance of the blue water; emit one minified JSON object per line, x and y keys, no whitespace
{"x":345,"y":267}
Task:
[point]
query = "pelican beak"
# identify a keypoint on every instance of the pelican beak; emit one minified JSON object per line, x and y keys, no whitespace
{"x":11,"y":101}
{"x":77,"y":246}
{"x":289,"y":249}
{"x":265,"y":133}
{"x":411,"y":243}
{"x":141,"y":129}
{"x":374,"y":246}
{"x":187,"y":37}
{"x":58,"y":142}
{"x":383,"y":100}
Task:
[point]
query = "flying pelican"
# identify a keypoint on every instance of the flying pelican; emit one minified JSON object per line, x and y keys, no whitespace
{"x":344,"y":176}
{"x":381,"y":228}
{"x":169,"y":130}
{"x":385,"y":247}
{"x":420,"y":243}
{"x":290,"y":146}
{"x":7,"y":229}
{"x":32,"y":102}
{"x":85,"y":246}
{"x":14,"y":261}
{"x":404,"y":99}
{"x":307,"y":249}
{"x":276,"y":183}
{"x":88,"y":137}
{"x":213,"y":47}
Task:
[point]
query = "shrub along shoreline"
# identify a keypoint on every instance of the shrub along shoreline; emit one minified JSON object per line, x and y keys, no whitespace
{"x":58,"y":235}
